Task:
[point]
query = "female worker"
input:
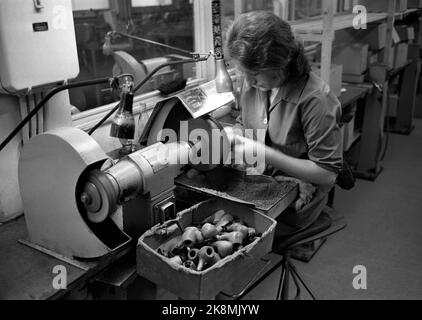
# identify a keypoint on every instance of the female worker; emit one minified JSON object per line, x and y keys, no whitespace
{"x":295,"y":108}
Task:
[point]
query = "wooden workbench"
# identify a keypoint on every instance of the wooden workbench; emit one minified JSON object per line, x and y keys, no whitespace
{"x":27,"y":274}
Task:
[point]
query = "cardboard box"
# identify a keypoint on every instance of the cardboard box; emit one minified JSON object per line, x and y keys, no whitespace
{"x":353,"y":78}
{"x":390,"y":63}
{"x":336,"y":77}
{"x":400,"y":54}
{"x":401,"y":5}
{"x":396,"y":37}
{"x":372,"y":58}
{"x":353,"y":58}
{"x":348,"y":134}
{"x":405,"y":33}
{"x":193,"y":285}
{"x":393,"y":101}
{"x":414,"y":4}
{"x":375,"y":37}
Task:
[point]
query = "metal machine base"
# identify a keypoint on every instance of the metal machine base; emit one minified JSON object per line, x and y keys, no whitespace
{"x":54,"y":254}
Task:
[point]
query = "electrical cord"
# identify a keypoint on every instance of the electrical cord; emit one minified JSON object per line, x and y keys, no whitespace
{"x":45,"y":99}
{"x":139,"y":85}
{"x":197,"y":58}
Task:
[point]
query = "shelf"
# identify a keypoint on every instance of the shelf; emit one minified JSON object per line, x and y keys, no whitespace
{"x":340,"y":22}
{"x":353,"y":93}
{"x":403,"y":14}
{"x":314,"y":26}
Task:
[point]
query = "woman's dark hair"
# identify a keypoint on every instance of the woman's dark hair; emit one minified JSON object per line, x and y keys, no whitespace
{"x":261,"y":40}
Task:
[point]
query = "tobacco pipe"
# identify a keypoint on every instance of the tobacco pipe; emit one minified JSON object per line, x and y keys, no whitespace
{"x":209,"y":231}
{"x":206,"y":256}
{"x":192,"y":235}
{"x":235,"y":237}
{"x":225,"y":220}
{"x":224,"y":248}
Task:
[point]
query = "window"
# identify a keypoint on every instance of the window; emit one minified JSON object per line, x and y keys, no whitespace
{"x":166,"y":21}
{"x":302,"y":9}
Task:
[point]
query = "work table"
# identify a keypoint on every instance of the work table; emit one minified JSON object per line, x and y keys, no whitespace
{"x":27,"y":273}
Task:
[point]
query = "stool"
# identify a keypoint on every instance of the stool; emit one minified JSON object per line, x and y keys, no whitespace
{"x":329,"y":222}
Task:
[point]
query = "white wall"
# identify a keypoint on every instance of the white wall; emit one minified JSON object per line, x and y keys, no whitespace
{"x":10,"y":200}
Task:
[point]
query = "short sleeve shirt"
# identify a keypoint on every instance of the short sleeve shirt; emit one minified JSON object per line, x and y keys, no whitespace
{"x":302,"y":120}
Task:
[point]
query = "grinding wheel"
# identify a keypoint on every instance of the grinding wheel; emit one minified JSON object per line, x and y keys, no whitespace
{"x":99,"y":197}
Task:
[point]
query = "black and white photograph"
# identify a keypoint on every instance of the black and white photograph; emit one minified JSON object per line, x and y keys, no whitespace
{"x":300,"y":180}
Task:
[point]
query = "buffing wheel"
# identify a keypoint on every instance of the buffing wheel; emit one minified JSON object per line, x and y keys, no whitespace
{"x":99,"y":196}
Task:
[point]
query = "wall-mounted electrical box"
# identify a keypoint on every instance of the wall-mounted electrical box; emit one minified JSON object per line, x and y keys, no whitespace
{"x":37,"y":44}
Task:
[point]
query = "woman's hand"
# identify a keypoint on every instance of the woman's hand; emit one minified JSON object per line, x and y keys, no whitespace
{"x":306,"y":191}
{"x":248,"y":152}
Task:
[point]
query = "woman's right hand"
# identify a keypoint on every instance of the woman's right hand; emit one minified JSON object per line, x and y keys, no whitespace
{"x":306,"y":191}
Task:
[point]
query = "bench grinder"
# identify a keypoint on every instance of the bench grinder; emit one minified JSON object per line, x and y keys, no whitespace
{"x":80,"y":203}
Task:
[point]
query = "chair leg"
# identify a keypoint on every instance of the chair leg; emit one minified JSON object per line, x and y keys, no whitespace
{"x":282,"y":279}
{"x":331,"y":195}
{"x":298,"y":275}
{"x":285,"y":289}
{"x":297,"y":285}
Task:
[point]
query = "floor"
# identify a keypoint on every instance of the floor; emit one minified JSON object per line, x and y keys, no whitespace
{"x":383,"y":234}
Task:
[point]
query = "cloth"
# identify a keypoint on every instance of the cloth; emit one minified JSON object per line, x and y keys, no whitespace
{"x":302,"y":121}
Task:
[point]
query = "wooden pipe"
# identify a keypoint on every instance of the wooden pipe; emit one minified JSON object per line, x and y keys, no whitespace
{"x":215,"y":217}
{"x":225,"y":220}
{"x":235,"y":237}
{"x":193,"y":254}
{"x":251,"y":232}
{"x":190,"y":264}
{"x":238,"y":227}
{"x":209,"y":231}
{"x":206,"y":256}
{"x":176,"y":260}
{"x":191,"y":235}
{"x":223,"y":247}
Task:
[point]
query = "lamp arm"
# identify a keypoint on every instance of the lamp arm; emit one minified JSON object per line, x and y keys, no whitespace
{"x":113,"y":33}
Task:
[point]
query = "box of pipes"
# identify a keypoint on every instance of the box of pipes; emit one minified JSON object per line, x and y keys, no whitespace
{"x":375,"y":37}
{"x":353,"y":58}
{"x":205,"y":249}
{"x":382,"y":53}
{"x":336,"y":72}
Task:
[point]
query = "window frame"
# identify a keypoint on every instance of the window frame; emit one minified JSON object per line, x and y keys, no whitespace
{"x":205,"y":71}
